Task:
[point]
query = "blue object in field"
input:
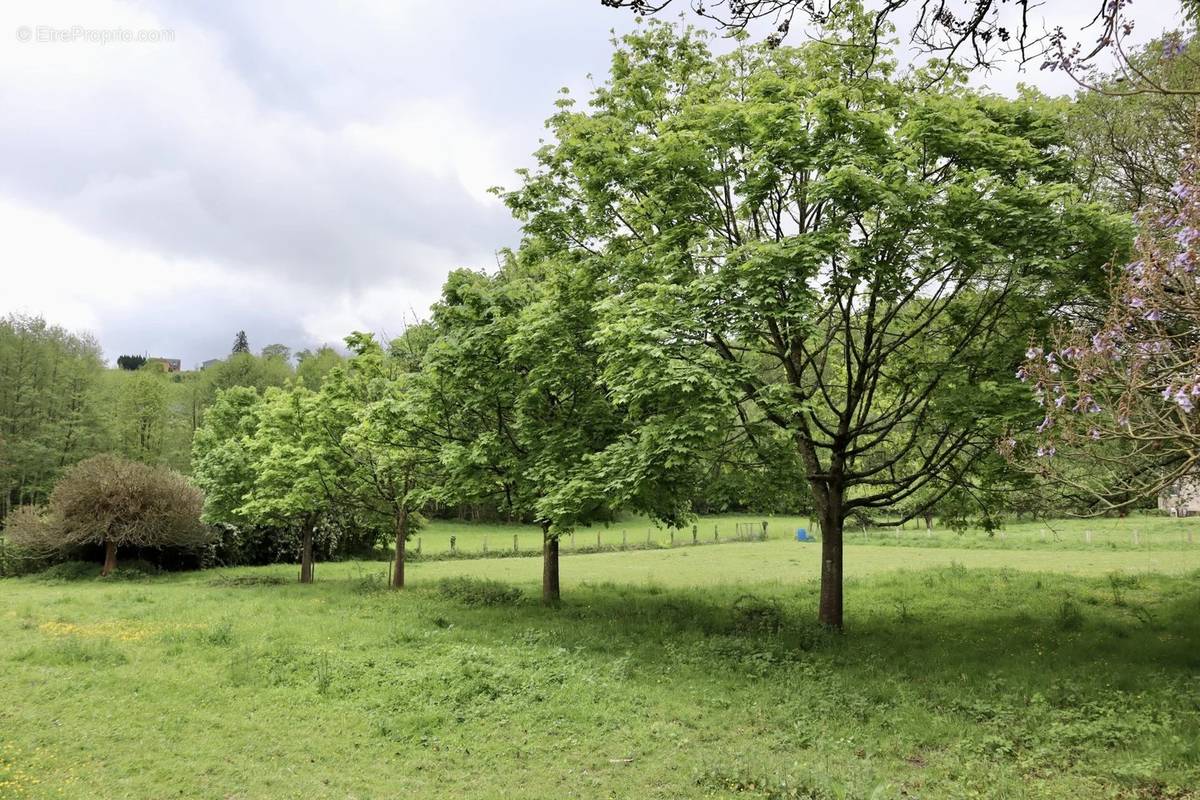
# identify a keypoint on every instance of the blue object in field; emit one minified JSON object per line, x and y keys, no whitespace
{"x":802,"y":535}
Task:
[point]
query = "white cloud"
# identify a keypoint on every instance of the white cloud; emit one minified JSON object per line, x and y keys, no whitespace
{"x":298,"y":173}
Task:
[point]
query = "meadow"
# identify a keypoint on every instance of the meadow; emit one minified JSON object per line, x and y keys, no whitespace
{"x":1135,"y":532}
{"x":1015,"y":669}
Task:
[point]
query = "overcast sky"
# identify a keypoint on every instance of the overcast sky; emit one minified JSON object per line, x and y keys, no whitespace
{"x":297,"y":174}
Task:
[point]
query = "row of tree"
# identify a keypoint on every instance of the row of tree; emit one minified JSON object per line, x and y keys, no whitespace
{"x":791,"y":260}
{"x":785,"y":274}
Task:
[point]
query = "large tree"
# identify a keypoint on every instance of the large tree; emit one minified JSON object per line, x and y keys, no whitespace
{"x":292,"y":484}
{"x":796,"y":232}
{"x":379,"y":458}
{"x":544,"y":437}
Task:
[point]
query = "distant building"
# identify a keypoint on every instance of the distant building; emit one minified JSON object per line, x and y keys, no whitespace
{"x":210,"y":363}
{"x":168,"y":364}
{"x":1182,"y":498}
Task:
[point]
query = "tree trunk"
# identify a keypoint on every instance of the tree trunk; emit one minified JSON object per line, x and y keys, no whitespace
{"x":401,"y":540}
{"x":550,"y":591}
{"x":306,"y":553}
{"x":830,"y":612}
{"x":110,"y":557}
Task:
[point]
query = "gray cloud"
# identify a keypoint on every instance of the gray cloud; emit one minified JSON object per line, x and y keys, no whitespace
{"x":331,"y":157}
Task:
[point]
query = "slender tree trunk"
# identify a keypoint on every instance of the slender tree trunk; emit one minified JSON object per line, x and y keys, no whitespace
{"x":110,"y":557}
{"x":306,"y":552}
{"x":401,"y":540}
{"x":550,"y":591}
{"x":830,"y":612}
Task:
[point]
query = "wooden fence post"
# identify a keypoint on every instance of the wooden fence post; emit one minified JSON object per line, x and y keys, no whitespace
{"x":514,"y":543}
{"x":624,"y":539}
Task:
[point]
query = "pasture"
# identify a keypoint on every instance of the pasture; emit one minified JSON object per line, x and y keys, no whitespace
{"x":686,"y":672}
{"x":1138,"y":532}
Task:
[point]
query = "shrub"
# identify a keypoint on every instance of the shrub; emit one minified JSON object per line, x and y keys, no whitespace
{"x":113,"y":502}
{"x":477,"y":592}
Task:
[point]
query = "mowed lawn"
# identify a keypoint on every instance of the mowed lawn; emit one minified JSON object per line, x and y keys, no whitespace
{"x":692,"y":672}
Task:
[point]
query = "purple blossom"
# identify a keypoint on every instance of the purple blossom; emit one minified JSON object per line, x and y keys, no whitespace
{"x":1187,"y":236}
{"x":1167,"y":392}
{"x":1045,"y":452}
{"x":1032,"y":353}
{"x":1022,"y":374}
{"x":1046,"y":425}
{"x":1094,"y":433}
{"x":1154,"y":315}
{"x":1181,"y":191}
{"x":1183,"y":401}
{"x":1136,"y":302}
{"x":1058,"y":401}
{"x":1173,"y":47}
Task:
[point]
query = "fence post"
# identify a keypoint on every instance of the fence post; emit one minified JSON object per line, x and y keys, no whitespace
{"x":764,"y":532}
{"x":514,"y":543}
{"x":572,"y":540}
{"x":647,"y":536}
{"x":695,"y":534}
{"x":716,"y":535}
{"x":597,"y":539}
{"x":453,"y":543}
{"x":624,"y":539}
{"x":672,"y":537}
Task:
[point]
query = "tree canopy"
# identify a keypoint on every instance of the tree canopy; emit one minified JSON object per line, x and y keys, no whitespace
{"x":800,"y":235}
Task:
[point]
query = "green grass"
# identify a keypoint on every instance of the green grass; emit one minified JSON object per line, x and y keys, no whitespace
{"x":690,"y":672}
{"x":1138,"y":532}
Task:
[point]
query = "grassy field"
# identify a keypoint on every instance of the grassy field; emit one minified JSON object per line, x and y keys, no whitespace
{"x":1138,"y":532}
{"x":691,"y":672}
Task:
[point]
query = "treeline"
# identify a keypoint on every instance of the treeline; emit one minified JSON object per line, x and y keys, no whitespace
{"x":59,"y":404}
